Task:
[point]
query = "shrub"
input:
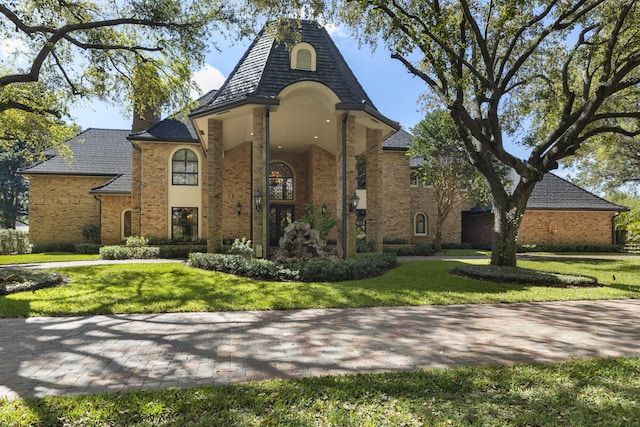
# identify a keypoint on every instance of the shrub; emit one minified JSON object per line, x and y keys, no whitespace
{"x":576,"y":247}
{"x":421,"y":249}
{"x":175,"y":251}
{"x":241,"y":266}
{"x":306,"y":271}
{"x":53,"y":247}
{"x":181,"y":241}
{"x":91,"y":232}
{"x":13,"y":242}
{"x":389,"y":241}
{"x":136,"y":242}
{"x":19,"y":280}
{"x":523,"y":276}
{"x":241,"y":247}
{"x":129,"y":252}
{"x":87,"y":248}
{"x":319,"y":220}
{"x":363,"y":246}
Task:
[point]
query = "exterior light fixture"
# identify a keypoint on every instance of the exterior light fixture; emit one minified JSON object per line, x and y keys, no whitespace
{"x":325,"y":208}
{"x":257,"y":199}
{"x":354,"y":202}
{"x":239,"y":208}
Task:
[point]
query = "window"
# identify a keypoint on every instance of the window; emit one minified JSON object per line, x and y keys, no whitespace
{"x":303,"y":57}
{"x":420,"y":224}
{"x":413,"y":180}
{"x":184,"y":223}
{"x":126,"y":224}
{"x":184,"y":167}
{"x":280,"y":182}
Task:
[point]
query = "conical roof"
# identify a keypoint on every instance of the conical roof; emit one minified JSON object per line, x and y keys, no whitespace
{"x":264,"y":71}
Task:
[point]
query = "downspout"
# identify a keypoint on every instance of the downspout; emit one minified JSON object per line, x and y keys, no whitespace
{"x":267,"y":204}
{"x":344,"y":183}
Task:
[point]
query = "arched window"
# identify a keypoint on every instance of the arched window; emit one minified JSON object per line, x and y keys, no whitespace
{"x":421,"y":224}
{"x":126,"y":224}
{"x":303,"y":57}
{"x":280,"y":182}
{"x":184,"y":167}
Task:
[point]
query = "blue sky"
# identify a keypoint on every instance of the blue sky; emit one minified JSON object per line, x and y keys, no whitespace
{"x":393,"y":90}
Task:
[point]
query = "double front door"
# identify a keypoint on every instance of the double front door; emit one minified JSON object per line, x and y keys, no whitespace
{"x":279,"y":217}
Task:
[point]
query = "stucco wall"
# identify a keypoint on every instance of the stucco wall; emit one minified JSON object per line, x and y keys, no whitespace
{"x":565,"y":227}
{"x":60,"y":205}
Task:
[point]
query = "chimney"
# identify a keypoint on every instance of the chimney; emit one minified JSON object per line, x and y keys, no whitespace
{"x":143,"y":120}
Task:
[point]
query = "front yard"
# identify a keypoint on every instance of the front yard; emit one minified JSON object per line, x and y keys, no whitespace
{"x":159,"y":288}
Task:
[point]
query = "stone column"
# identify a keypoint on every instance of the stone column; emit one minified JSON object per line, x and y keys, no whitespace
{"x":258,"y":183}
{"x":136,"y":190}
{"x":215,"y":160}
{"x":374,"y":189}
{"x":350,"y":231}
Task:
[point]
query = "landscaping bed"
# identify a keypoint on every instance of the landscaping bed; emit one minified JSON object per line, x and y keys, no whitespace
{"x":523,"y":276}
{"x":14,"y":280}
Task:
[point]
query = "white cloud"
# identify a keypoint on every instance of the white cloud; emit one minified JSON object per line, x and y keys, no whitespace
{"x":335,"y":30}
{"x":207,"y":79}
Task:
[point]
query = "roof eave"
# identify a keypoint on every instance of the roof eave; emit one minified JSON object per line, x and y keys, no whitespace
{"x":233,"y":104}
{"x":351,"y":106}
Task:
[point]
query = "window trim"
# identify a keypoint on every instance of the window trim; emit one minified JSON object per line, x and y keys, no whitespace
{"x":294,"y":56}
{"x":195,"y":212}
{"x":426,"y":224}
{"x":185,"y":173}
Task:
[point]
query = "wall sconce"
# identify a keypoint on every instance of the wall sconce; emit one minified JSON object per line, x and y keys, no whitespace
{"x":239,"y":208}
{"x":324,"y":208}
{"x":257,"y":199}
{"x":354,"y":202}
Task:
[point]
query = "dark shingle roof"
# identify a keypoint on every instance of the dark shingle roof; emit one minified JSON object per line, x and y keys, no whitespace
{"x":555,"y":193}
{"x":265,"y":70}
{"x":176,"y":129}
{"x":95,"y":152}
{"x":401,"y":140}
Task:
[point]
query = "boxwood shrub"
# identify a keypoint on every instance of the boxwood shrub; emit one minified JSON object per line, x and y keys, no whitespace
{"x":549,"y":247}
{"x":129,"y":252}
{"x":13,"y":242}
{"x":307,"y":271}
{"x":420,"y":249}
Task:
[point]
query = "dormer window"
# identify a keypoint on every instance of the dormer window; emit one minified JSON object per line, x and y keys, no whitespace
{"x":303,"y":57}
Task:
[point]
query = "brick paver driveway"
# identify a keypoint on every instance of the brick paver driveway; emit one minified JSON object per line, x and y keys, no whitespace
{"x":52,"y":356}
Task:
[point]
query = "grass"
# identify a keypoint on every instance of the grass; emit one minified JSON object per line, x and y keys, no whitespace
{"x":45,"y":257}
{"x":577,"y":393}
{"x":156,"y":288}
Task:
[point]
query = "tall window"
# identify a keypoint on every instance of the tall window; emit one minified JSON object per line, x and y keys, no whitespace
{"x":184,"y":168}
{"x":126,"y":224}
{"x":280,"y":182}
{"x":420,"y":224}
{"x":184,"y":223}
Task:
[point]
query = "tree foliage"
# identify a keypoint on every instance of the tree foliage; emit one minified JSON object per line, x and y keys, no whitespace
{"x":550,"y":75}
{"x":13,"y":186}
{"x":445,"y":165}
{"x":65,"y":51}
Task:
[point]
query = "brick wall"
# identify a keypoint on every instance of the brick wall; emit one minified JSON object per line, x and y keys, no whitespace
{"x":566,"y":227}
{"x":423,"y":200}
{"x":111,"y":222}
{"x":237,"y":188}
{"x":60,"y":205}
{"x":397,"y":218}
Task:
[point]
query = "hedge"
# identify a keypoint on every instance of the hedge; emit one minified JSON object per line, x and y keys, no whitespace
{"x":304,"y":271}
{"x":13,"y":242}
{"x":549,"y":247}
{"x":129,"y":252}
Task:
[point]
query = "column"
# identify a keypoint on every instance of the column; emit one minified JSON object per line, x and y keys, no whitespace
{"x":350,"y":231}
{"x":258,"y":183}
{"x":374,"y":189}
{"x":215,"y":161}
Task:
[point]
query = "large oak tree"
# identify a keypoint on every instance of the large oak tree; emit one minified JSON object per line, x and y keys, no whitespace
{"x":549,"y":75}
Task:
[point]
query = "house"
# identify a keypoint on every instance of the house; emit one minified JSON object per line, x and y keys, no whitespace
{"x":283,"y":131}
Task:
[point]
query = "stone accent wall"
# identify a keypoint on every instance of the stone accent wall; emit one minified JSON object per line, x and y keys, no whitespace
{"x":423,"y":200}
{"x":60,"y":205}
{"x":237,"y":188}
{"x":566,"y":227}
{"x":111,"y":213}
{"x":397,"y":218}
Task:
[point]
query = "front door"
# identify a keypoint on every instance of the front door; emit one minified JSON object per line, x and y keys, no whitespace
{"x":280,"y":216}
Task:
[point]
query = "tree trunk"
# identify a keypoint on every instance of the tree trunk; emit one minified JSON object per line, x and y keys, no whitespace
{"x":437,"y":241}
{"x":507,"y":219}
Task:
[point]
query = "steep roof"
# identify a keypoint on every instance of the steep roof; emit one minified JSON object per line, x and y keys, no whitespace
{"x":555,"y":193}
{"x":174,"y":129}
{"x":265,"y":70}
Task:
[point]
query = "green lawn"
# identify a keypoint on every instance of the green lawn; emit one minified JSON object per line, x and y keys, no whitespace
{"x":602,"y":392}
{"x":45,"y":257}
{"x":152,"y":288}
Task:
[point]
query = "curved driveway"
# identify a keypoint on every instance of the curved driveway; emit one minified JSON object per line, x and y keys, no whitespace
{"x":52,"y":356}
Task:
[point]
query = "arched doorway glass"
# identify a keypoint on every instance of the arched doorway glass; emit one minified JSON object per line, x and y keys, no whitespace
{"x":280,"y":190}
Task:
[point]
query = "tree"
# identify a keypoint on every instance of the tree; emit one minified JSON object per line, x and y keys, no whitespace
{"x":445,"y":165}
{"x":608,"y":163}
{"x":550,"y":75}
{"x":13,"y":187}
{"x":67,"y":51}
